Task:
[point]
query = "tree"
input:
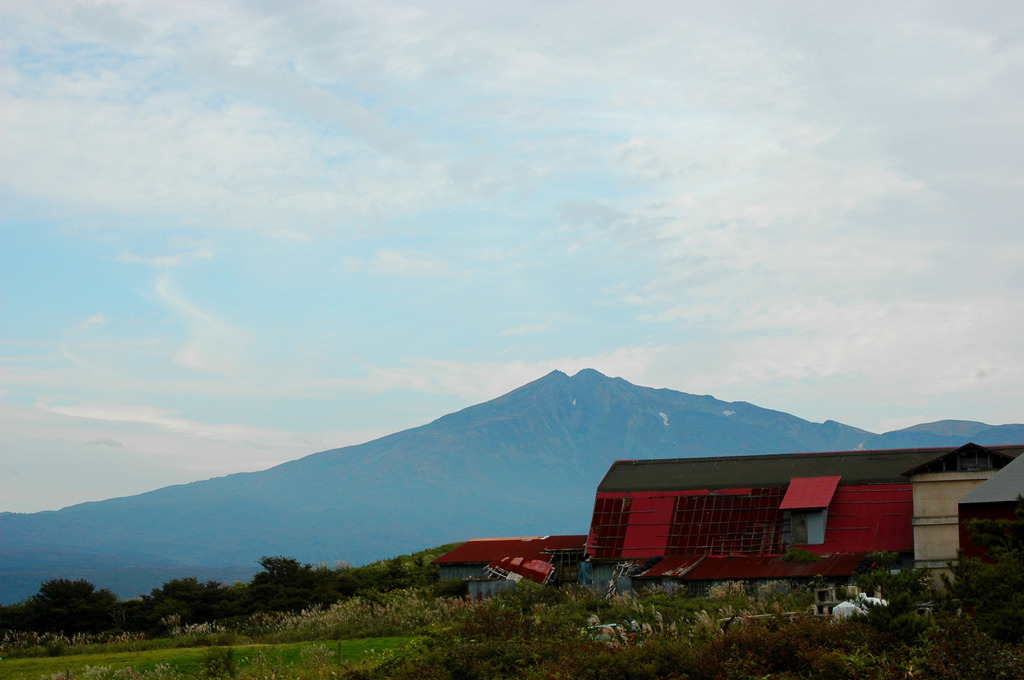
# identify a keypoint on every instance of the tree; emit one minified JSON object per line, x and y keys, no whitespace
{"x":994,"y":591}
{"x":62,"y":605}
{"x":187,"y":599}
{"x":285,"y":584}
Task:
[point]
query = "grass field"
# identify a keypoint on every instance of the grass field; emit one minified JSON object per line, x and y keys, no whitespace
{"x":189,"y":660}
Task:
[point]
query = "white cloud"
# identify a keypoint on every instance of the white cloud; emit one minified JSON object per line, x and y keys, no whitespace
{"x":402,"y":263}
{"x":167,"y":420}
{"x":94,"y":320}
{"x":813,"y":207}
{"x":527,"y":329}
{"x":105,"y":441}
{"x":107,"y":450}
{"x":167,"y":261}
{"x":214,"y":345}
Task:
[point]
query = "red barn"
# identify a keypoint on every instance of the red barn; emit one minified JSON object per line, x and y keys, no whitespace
{"x":692,"y":511}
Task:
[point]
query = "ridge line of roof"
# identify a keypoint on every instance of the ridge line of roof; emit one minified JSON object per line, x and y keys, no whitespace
{"x":860,"y":452}
{"x":859,"y":466}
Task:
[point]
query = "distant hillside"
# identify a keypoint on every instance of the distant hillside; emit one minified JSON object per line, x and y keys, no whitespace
{"x":526,"y":463}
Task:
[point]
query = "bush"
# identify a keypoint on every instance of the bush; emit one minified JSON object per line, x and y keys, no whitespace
{"x":452,"y":587}
{"x":897,"y":619}
{"x":219,"y":664}
{"x":801,"y":555}
{"x":960,"y":649}
{"x":914,"y":582}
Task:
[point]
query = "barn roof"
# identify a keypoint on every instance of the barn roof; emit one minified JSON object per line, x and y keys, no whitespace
{"x":487,"y":550}
{"x":810,"y":492}
{"x":951,"y":459}
{"x":1004,"y":486}
{"x":771,"y":470}
{"x":735,"y":567}
{"x":751,"y":567}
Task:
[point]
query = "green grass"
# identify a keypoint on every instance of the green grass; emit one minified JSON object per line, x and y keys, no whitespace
{"x":188,"y":660}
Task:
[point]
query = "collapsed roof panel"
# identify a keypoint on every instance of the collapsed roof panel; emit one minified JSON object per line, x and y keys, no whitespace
{"x":486,"y":550}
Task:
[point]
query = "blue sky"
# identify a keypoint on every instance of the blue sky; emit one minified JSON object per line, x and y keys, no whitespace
{"x":233,"y":234}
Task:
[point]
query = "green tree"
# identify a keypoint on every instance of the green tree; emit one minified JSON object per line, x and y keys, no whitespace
{"x":994,"y":590}
{"x":285,"y":584}
{"x":62,"y":605}
{"x":186,"y":598}
{"x":15,"y":617}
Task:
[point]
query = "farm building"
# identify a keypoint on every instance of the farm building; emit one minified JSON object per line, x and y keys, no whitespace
{"x":542,"y":559}
{"x":996,"y":498}
{"x":694,"y":521}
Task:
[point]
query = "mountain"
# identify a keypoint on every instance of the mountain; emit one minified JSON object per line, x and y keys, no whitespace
{"x":526,"y":463}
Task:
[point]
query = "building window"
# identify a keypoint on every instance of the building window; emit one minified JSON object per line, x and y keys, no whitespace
{"x":808,"y":527}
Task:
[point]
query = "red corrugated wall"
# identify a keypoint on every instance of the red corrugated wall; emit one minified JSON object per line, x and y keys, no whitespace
{"x":646,"y":534}
{"x":745,"y":521}
{"x":971,"y":511}
{"x":869,"y":517}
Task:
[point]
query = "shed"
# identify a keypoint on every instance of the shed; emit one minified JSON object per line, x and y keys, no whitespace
{"x":560,"y":554}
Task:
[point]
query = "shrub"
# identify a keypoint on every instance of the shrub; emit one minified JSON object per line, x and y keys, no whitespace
{"x":219,"y":664}
{"x":265,"y":666}
{"x":452,"y":587}
{"x":316,"y":656}
{"x":914,"y":582}
{"x":960,"y":649}
{"x":897,"y":619}
{"x":801,"y":555}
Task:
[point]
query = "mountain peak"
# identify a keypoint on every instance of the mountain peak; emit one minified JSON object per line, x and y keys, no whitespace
{"x":525,"y":463}
{"x":589,"y":376}
{"x":950,"y":427}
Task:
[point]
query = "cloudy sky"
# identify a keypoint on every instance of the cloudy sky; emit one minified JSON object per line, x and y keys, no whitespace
{"x":233,"y":234}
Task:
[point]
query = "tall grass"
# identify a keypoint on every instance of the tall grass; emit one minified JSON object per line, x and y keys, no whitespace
{"x":575,"y":633}
{"x":399,"y":613}
{"x":15,"y":644}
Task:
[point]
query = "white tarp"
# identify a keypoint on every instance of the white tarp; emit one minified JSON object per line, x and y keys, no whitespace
{"x":855,"y":607}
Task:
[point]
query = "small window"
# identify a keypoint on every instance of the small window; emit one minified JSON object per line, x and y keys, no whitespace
{"x":808,"y":528}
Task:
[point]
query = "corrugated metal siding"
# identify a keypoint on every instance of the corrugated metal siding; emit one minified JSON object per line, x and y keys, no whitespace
{"x":648,"y":518}
{"x":810,"y":493}
{"x":608,"y":527}
{"x":484,"y":589}
{"x":462,"y":571}
{"x":994,"y":511}
{"x":870,"y":517}
{"x":746,"y":522}
{"x":487,"y":550}
{"x":743,"y":568}
{"x":534,"y":570}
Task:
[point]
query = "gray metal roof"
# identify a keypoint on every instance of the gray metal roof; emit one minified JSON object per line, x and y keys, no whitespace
{"x":773,"y":470}
{"x":1003,"y":486}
